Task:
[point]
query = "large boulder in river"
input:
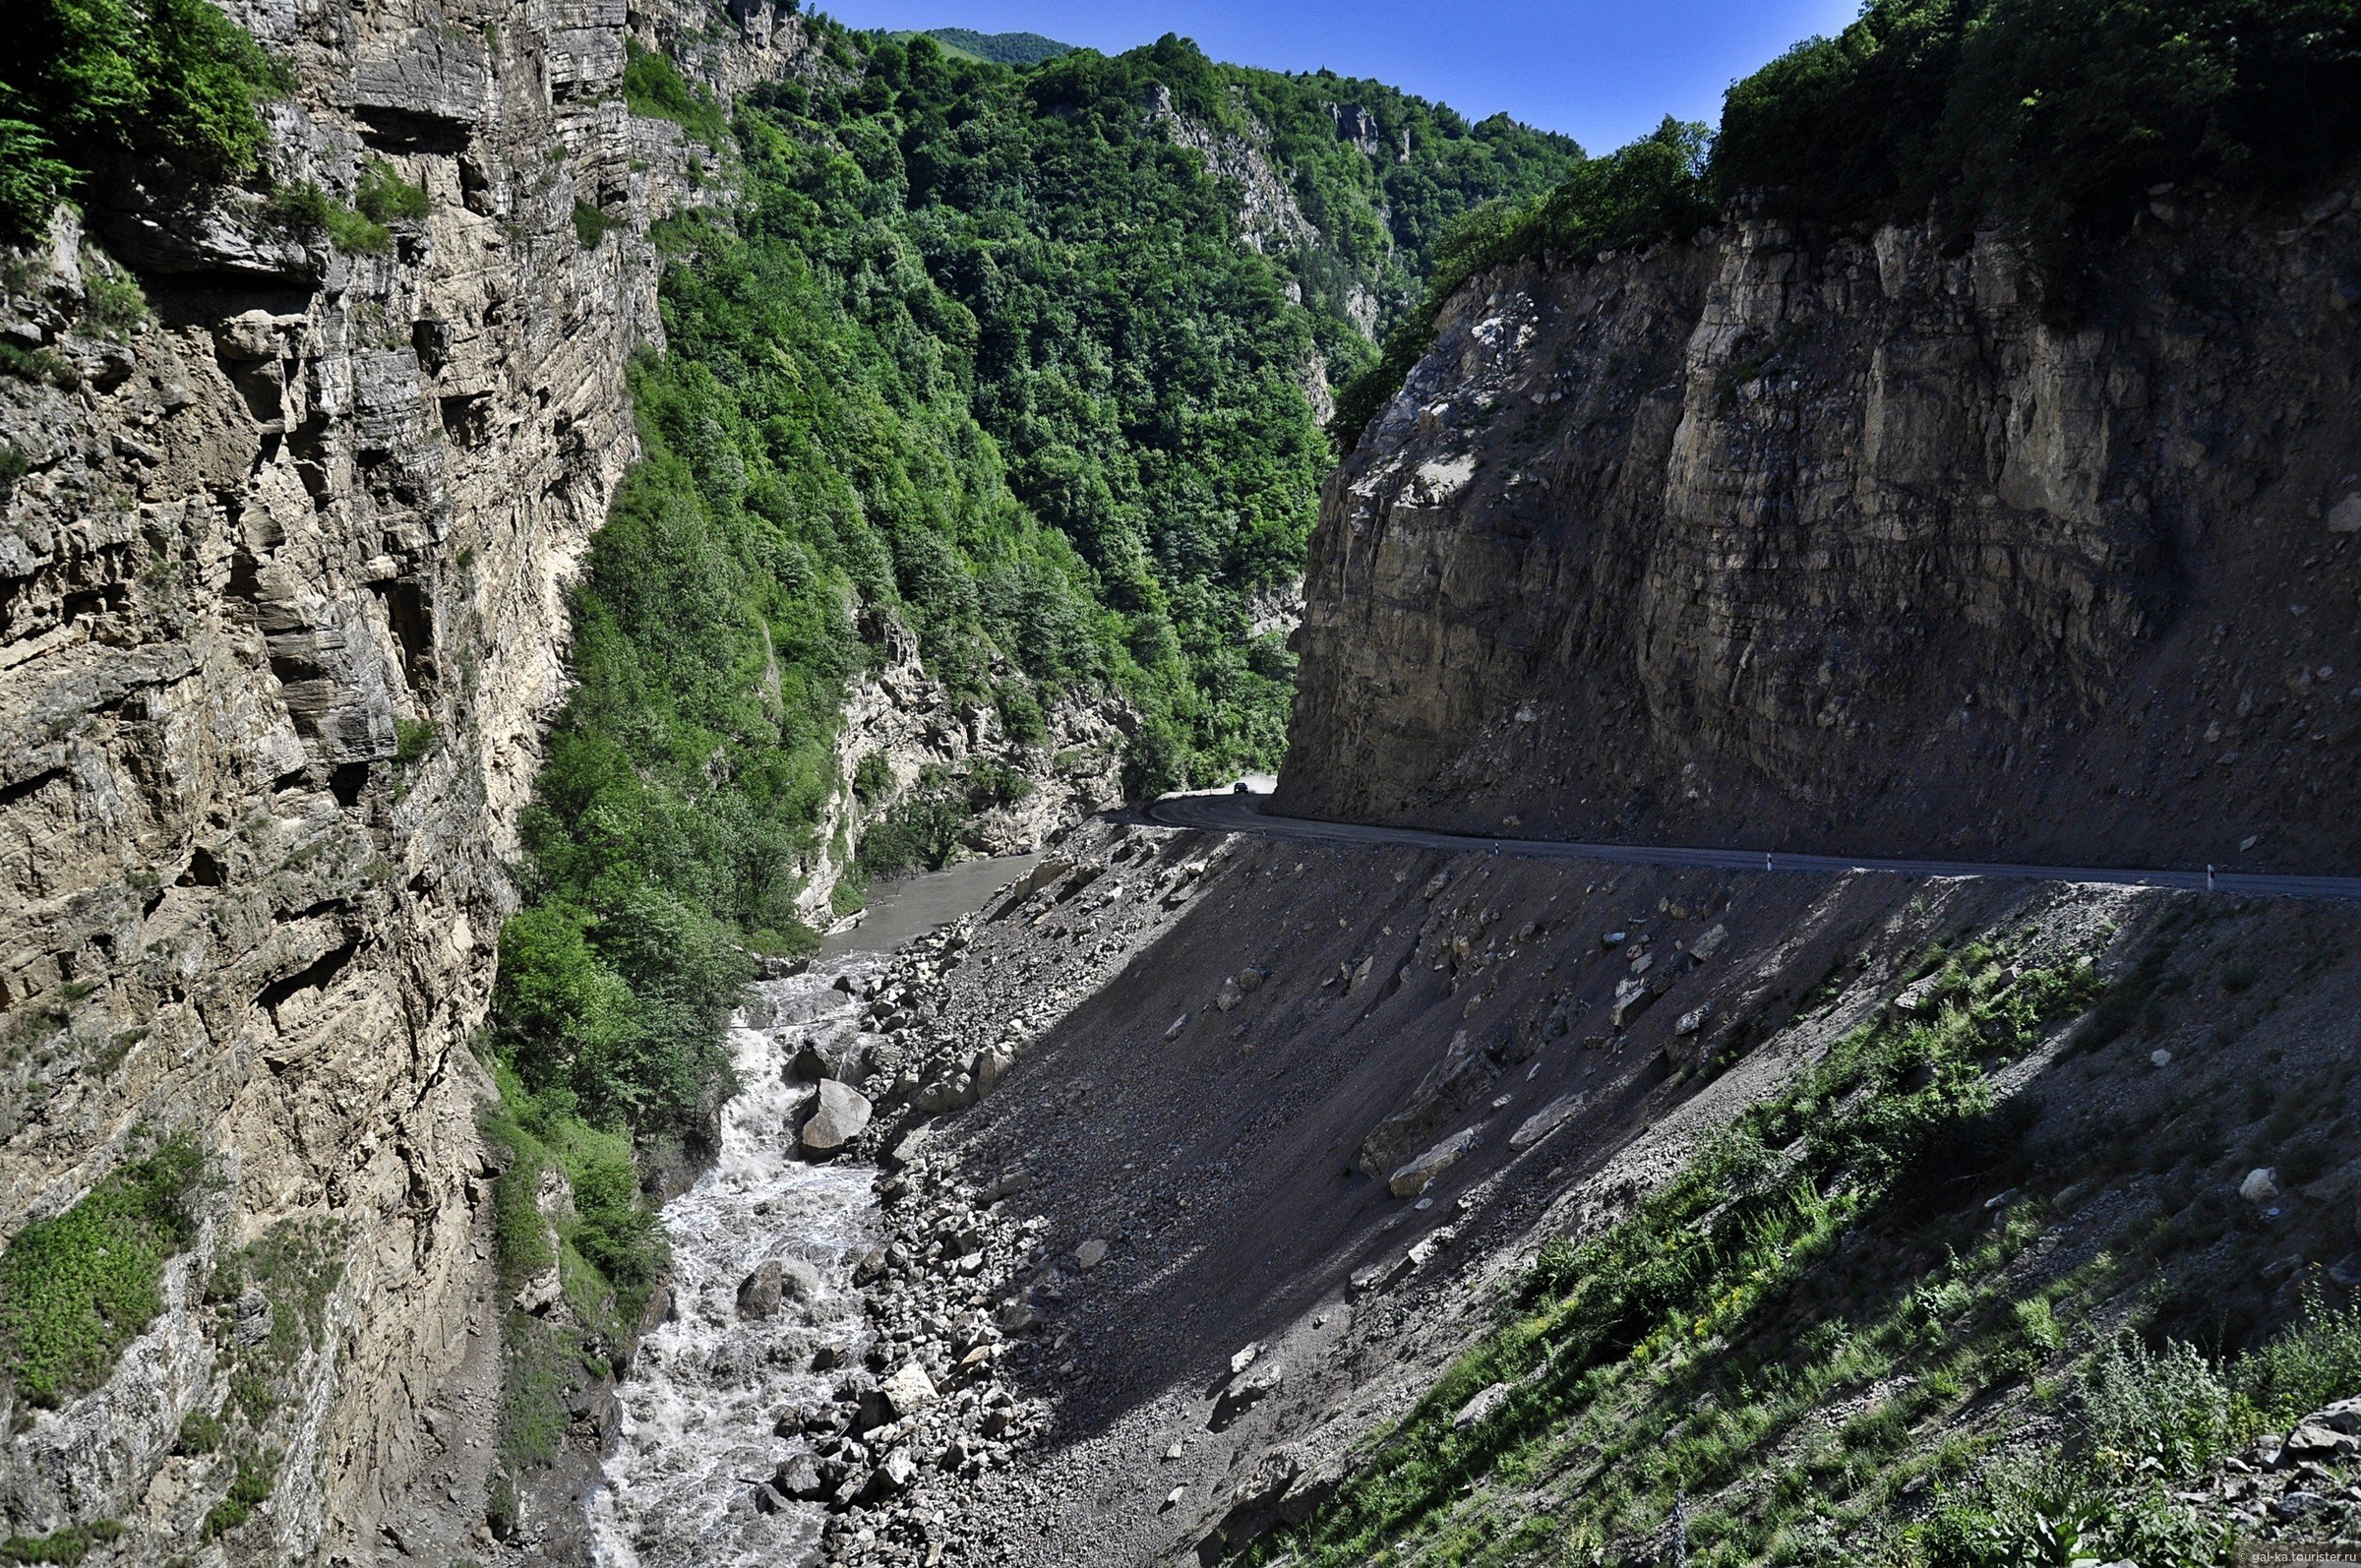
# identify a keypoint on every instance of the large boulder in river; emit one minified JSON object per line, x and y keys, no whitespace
{"x":843,"y":1112}
{"x":760,"y":1292}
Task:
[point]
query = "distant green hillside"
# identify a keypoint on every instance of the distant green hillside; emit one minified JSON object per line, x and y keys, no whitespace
{"x":1001,"y":48}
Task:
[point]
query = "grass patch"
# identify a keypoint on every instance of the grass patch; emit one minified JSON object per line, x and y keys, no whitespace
{"x":653,"y":87}
{"x":68,"y":1545}
{"x":307,"y":209}
{"x":76,"y":1289}
{"x":249,"y":1489}
{"x":385,"y":197}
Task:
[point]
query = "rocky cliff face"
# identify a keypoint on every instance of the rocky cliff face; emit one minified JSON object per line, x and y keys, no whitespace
{"x":283,"y":576}
{"x":1842,"y":544}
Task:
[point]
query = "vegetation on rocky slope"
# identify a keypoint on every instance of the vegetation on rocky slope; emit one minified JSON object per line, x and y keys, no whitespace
{"x":981,"y":352}
{"x":1802,"y":1346}
{"x":75,"y":1289}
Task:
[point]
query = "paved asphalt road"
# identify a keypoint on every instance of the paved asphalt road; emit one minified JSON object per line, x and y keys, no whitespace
{"x":1243,"y":813}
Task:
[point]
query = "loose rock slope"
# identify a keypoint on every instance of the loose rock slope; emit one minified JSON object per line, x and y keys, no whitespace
{"x":1205,"y":1159}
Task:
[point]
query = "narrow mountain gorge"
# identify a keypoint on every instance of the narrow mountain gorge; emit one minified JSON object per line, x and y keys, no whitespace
{"x":521,"y":524}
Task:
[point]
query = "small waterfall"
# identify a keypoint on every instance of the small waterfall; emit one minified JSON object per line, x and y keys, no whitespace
{"x":700,"y":1402}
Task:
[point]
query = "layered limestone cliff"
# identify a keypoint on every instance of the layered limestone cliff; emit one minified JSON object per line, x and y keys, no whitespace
{"x":1846,"y":544}
{"x":282,"y":586}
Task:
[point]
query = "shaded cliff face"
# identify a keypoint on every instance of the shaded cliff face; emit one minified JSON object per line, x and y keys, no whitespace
{"x":1843,"y":547}
{"x":283,"y":576}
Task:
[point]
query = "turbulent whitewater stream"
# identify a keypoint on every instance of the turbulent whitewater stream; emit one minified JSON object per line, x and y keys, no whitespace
{"x":708,"y":1384}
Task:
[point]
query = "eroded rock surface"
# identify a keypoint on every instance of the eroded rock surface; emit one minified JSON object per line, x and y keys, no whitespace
{"x":1845,"y":544}
{"x":282,"y":582}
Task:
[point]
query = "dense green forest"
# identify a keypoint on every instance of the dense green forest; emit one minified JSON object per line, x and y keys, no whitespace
{"x":2048,"y":118}
{"x":979,"y":350}
{"x":1001,"y":48}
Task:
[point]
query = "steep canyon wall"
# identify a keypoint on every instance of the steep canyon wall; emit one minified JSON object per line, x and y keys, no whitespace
{"x":283,"y":590}
{"x":1847,"y":543}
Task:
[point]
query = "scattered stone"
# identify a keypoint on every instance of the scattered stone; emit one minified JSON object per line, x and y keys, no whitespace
{"x":2261,"y":1186}
{"x":1090,"y":1254}
{"x":1542,"y":1122}
{"x":1481,"y":1406}
{"x":1244,"y":1360}
{"x":1238,"y":1398}
{"x":1413,"y":1178}
{"x":249,"y":1327}
{"x":909,"y":1391}
{"x":891,"y":1476}
{"x":1691,"y":1021}
{"x":2159,"y":1057}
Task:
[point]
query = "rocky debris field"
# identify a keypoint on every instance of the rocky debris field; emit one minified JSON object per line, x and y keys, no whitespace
{"x":1201,"y":1158}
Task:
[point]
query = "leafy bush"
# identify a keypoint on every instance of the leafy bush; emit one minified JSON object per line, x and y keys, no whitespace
{"x":78,"y":1288}
{"x":2313,"y":1362}
{"x":83,"y":79}
{"x":113,"y":302}
{"x":873,"y":777}
{"x":591,"y":224}
{"x":2170,"y":1410}
{"x":200,"y":1432}
{"x":2046,"y":1513}
{"x":305,"y":207}
{"x":385,"y":197}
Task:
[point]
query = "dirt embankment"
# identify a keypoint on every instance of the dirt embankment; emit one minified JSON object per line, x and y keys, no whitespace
{"x":1266,"y":1133}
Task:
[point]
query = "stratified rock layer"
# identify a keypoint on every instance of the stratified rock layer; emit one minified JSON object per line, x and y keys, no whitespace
{"x":1842,"y":544}
{"x":283,"y":589}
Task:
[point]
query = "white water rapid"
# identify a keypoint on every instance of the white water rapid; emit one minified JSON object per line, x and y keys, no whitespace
{"x":701,"y":1401}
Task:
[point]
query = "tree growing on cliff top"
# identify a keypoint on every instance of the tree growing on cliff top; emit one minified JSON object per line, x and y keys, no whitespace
{"x":87,"y":80}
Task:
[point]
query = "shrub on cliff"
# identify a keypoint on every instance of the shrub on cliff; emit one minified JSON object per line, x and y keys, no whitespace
{"x":83,"y":80}
{"x":78,"y":1286}
{"x":1655,"y":187}
{"x":2055,"y":116}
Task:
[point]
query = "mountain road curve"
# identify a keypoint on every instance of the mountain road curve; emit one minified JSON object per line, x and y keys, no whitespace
{"x":1242,"y":813}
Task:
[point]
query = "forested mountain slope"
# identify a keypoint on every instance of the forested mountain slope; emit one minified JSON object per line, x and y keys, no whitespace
{"x":991,"y":418}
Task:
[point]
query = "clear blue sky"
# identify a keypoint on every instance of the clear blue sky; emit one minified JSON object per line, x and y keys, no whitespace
{"x":1603,"y":71}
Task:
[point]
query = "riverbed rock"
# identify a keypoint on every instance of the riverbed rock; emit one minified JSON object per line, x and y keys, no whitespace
{"x":799,"y":1477}
{"x":760,"y":1292}
{"x":843,"y":1112}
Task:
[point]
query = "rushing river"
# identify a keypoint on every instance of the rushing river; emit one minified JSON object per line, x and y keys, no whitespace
{"x":709,"y":1385}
